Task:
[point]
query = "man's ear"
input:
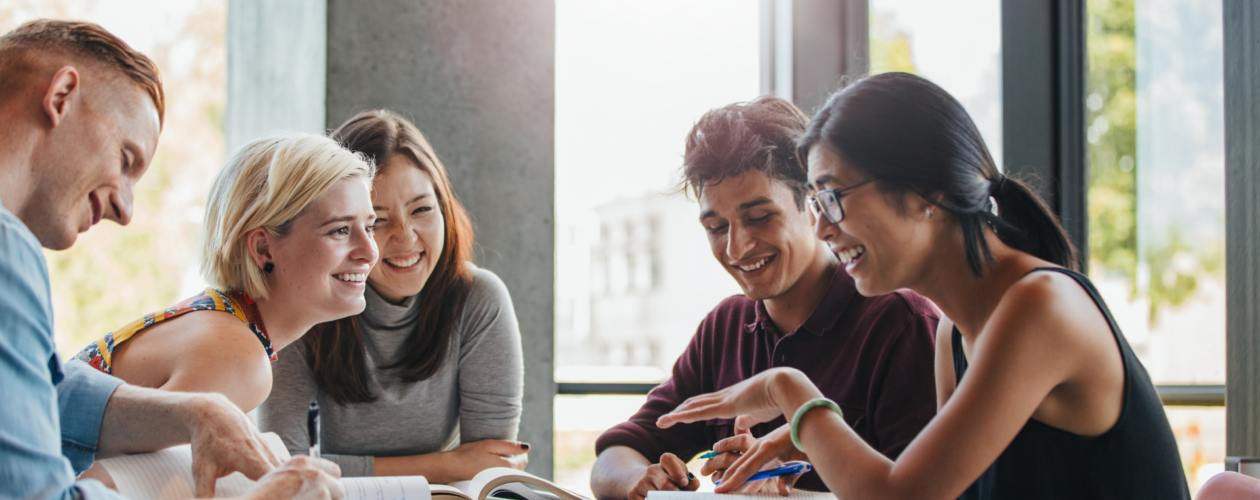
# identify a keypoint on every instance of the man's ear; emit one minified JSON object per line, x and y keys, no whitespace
{"x":62,"y":94}
{"x":258,"y":242}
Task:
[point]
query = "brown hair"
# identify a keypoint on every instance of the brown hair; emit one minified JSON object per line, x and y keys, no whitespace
{"x":83,"y":41}
{"x":338,"y":358}
{"x":734,"y":139}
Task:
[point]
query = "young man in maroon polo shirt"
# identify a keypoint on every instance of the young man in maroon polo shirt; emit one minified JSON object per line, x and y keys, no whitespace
{"x":872,"y":355}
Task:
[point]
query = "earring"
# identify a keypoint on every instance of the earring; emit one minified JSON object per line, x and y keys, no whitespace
{"x":268,"y":267}
{"x":929,"y":212}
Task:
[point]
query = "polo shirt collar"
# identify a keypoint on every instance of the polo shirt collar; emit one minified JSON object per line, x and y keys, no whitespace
{"x":835,"y":301}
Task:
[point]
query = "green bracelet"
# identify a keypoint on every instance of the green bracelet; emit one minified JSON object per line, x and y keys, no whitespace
{"x":800,"y":413}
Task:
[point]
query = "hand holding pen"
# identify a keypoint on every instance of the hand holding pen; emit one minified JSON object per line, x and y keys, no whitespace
{"x":738,"y":459}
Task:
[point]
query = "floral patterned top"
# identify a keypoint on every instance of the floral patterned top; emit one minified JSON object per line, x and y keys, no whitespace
{"x":99,"y":354}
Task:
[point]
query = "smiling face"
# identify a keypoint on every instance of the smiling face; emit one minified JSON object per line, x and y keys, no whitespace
{"x":325,"y":258}
{"x":757,"y":233}
{"x":410,"y":229}
{"x":882,"y":246}
{"x":87,"y":166}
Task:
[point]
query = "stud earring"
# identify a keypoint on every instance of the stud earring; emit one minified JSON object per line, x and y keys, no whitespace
{"x":268,"y":267}
{"x":929,"y":212}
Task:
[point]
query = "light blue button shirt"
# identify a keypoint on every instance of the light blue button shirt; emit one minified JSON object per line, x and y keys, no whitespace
{"x":50,"y":414}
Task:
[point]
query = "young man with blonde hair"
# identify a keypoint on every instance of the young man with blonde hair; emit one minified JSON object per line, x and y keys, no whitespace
{"x":80,"y":115}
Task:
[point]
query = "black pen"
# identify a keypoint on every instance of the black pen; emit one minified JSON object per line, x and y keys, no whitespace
{"x":312,"y":428}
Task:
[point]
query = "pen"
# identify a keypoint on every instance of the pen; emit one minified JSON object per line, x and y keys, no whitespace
{"x":788,"y":469}
{"x":709,"y":454}
{"x":312,"y":428}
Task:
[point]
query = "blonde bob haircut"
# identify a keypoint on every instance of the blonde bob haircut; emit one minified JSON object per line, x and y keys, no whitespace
{"x":268,"y":184}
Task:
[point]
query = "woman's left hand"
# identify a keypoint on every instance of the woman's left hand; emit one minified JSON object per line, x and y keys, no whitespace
{"x":771,"y":451}
{"x":751,"y":402}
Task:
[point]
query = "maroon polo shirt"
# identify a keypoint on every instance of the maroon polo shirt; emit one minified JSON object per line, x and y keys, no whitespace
{"x":872,"y":355}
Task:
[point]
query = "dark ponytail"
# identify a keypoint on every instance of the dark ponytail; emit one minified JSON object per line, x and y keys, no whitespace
{"x":912,"y":136}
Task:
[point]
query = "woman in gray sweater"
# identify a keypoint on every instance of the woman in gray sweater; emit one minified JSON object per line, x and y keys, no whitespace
{"x":428,"y":379}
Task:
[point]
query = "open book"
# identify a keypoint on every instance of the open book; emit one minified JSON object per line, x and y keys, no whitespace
{"x":502,"y":483}
{"x":167,"y":475}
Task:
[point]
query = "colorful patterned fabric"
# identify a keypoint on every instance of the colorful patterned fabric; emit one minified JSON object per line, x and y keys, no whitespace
{"x":99,"y":354}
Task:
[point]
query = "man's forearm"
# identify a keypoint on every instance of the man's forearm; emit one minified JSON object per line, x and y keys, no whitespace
{"x":139,"y":419}
{"x":617,"y":470}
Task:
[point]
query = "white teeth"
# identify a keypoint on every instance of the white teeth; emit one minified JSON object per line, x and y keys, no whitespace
{"x":755,"y":266}
{"x":351,"y":277}
{"x":847,"y":255}
{"x":403,"y":262}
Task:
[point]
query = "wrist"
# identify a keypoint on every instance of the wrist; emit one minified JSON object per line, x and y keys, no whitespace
{"x":804,"y":411}
{"x":790,"y":389}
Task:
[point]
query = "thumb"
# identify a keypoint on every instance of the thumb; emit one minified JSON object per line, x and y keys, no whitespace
{"x":204,"y":477}
{"x":744,"y":424}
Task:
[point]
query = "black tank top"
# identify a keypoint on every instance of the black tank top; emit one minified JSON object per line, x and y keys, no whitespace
{"x":1136,"y":459}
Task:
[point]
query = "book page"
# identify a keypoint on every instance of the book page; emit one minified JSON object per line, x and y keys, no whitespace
{"x":696,"y":495}
{"x":167,"y":475}
{"x":485,"y":483}
{"x":386,"y":488}
{"x":458,"y":489}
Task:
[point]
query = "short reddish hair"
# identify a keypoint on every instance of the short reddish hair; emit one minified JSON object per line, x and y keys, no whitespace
{"x":87,"y":42}
{"x":732,"y":140}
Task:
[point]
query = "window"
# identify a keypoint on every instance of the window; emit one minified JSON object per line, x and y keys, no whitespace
{"x":923,"y":37}
{"x":1154,"y":104}
{"x":632,"y":77}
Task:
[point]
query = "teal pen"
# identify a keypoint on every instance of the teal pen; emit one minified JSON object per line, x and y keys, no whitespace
{"x":709,"y":454}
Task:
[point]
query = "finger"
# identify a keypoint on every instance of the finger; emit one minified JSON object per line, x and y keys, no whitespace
{"x":518,"y":462}
{"x":692,"y":415}
{"x":337,"y":490}
{"x":742,"y":469}
{"x":737,"y":443}
{"x":504,"y":448}
{"x":204,"y":477}
{"x":675,"y":469}
{"x":269,"y":456}
{"x":720,"y":462}
{"x":327,"y":466}
{"x":746,"y":422}
{"x":785,"y":486}
{"x":255,"y":466}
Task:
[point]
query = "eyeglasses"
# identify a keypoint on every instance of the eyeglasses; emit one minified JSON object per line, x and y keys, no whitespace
{"x":827,"y":202}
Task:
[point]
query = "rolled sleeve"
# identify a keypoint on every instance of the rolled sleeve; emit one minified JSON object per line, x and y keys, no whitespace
{"x":31,"y":465}
{"x":81,"y":399}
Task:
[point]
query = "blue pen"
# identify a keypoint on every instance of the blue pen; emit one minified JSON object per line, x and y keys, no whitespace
{"x":788,"y":469}
{"x":709,"y":454}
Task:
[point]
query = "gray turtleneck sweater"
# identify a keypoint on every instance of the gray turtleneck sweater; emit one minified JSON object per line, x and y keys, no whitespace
{"x":475,"y":395}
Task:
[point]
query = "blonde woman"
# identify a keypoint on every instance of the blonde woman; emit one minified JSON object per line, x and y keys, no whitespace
{"x":288,"y":245}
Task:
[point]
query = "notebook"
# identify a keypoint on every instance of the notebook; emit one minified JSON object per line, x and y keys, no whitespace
{"x":167,"y":475}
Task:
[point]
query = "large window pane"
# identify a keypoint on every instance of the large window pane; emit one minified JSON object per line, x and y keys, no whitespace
{"x":634,"y":274}
{"x":956,"y":44}
{"x":1156,"y":180}
{"x":1154,"y":105}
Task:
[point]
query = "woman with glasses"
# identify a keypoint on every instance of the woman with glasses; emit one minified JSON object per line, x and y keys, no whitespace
{"x":1039,"y":393}
{"x":428,"y":379}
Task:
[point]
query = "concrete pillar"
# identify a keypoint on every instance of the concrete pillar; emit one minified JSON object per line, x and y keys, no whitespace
{"x":478,"y":78}
{"x":1242,"y":224}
